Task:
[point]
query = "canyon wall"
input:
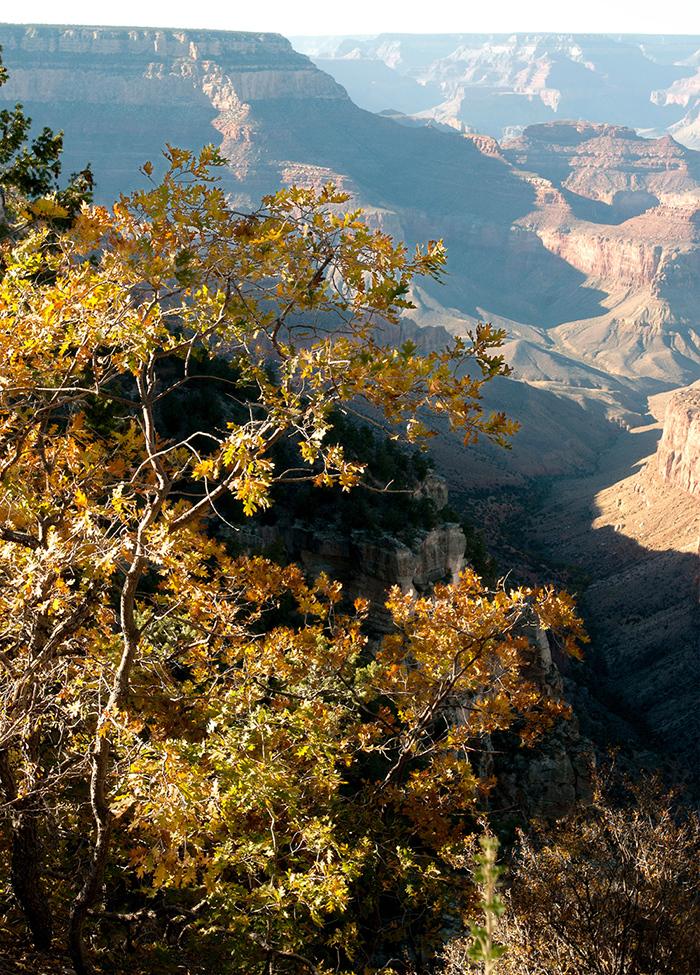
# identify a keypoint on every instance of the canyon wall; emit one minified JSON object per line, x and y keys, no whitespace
{"x":678,"y":453}
{"x":580,"y":240}
{"x":121,"y":94}
{"x":144,"y":67}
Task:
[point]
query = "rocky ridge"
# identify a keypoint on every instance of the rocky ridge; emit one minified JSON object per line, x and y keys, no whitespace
{"x":120,"y":94}
{"x":369,"y":564}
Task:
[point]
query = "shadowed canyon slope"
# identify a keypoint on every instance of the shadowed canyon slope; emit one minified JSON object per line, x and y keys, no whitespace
{"x":636,"y":535}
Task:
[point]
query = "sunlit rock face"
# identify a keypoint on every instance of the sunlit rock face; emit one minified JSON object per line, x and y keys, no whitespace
{"x":678,"y":453}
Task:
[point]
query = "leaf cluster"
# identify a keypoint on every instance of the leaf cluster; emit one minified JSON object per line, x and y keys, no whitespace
{"x":201,"y":728}
{"x":30,"y":195}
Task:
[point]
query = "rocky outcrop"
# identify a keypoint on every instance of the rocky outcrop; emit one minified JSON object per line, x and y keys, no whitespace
{"x":143,"y":67}
{"x":368,"y":566}
{"x":549,"y":778}
{"x":678,"y":453}
{"x":547,"y":781}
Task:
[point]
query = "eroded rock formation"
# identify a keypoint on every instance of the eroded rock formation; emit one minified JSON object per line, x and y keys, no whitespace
{"x":121,"y":94}
{"x":678,"y":454}
{"x":368,"y":565}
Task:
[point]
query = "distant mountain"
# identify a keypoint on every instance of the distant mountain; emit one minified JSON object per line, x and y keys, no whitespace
{"x":499,"y":83}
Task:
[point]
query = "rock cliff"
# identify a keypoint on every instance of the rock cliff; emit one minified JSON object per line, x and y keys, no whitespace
{"x":678,"y":453}
{"x":368,"y":565}
{"x":546,"y":780}
{"x":144,"y":67}
{"x":121,"y":94}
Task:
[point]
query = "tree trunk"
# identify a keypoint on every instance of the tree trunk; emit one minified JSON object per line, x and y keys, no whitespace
{"x":27,"y":855}
{"x":27,"y":881}
{"x":93,"y":882}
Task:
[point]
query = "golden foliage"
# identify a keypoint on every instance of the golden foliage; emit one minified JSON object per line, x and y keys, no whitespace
{"x":238,"y":743}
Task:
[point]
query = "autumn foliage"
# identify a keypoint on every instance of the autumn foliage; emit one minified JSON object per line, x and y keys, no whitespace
{"x":613,"y":890}
{"x":209,"y":740}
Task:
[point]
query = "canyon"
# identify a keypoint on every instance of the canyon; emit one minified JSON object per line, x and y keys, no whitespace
{"x":572,"y":221}
{"x":497,"y":84}
{"x":579,"y":239}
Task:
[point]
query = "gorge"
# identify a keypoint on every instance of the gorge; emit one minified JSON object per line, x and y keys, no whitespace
{"x":580,"y":238}
{"x":227,"y":743}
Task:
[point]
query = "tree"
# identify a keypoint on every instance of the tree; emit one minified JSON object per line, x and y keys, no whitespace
{"x":612,"y":890}
{"x":216,"y":726}
{"x":29,"y":174}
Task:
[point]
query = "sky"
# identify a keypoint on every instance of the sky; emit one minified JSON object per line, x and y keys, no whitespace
{"x":309,"y":17}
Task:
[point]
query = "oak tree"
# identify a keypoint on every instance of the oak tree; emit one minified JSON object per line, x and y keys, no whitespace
{"x":209,"y":730}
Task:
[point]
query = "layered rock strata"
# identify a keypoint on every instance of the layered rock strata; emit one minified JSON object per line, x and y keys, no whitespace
{"x":499,"y":83}
{"x":678,"y":453}
{"x":121,"y":94}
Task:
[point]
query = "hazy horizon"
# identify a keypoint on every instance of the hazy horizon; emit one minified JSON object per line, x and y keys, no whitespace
{"x":367,"y":18}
